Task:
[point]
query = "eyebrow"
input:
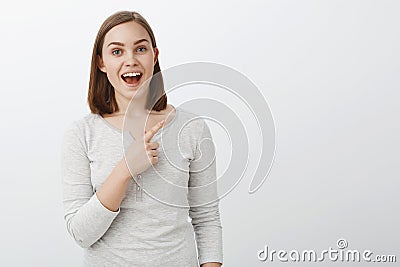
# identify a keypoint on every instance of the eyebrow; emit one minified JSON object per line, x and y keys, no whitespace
{"x":121,"y":44}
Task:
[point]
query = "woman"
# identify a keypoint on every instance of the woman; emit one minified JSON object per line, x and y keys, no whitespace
{"x":106,"y":211}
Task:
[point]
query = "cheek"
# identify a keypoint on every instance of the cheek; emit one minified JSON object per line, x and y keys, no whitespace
{"x":150,"y":64}
{"x":110,"y":63}
{"x":148,"y":59}
{"x":111,"y":76}
{"x":112,"y":72}
{"x":112,"y":69}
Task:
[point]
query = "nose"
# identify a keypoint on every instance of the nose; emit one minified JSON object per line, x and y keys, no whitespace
{"x":131,"y":60}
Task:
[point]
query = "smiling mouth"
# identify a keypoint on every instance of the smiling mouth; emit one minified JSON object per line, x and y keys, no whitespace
{"x":132,"y":78}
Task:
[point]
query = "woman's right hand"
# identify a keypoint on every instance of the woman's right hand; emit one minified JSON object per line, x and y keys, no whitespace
{"x":142,"y":153}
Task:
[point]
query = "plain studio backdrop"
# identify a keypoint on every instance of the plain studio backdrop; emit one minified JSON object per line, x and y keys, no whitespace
{"x":328,"y":69}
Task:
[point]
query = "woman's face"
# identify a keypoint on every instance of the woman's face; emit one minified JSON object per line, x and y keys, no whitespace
{"x":128,"y":59}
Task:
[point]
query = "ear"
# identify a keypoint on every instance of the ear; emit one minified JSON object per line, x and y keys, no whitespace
{"x":156,"y":52}
{"x":100,"y":64}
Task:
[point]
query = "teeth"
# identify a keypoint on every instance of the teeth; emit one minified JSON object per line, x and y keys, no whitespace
{"x":131,"y":74}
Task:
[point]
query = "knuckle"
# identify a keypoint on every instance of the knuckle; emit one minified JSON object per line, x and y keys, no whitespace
{"x":154,"y":146}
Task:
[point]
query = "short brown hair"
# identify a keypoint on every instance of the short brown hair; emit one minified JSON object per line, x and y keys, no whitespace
{"x":101,"y":94}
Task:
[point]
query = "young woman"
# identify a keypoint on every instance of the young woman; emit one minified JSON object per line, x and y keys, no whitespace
{"x":106,"y":211}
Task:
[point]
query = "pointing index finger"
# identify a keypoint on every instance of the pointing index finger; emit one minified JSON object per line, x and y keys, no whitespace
{"x":153,"y":131}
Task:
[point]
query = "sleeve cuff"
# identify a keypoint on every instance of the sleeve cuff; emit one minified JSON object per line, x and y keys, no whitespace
{"x":211,"y":258}
{"x":100,"y":206}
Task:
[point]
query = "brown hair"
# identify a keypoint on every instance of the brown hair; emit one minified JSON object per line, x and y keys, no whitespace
{"x":101,"y":95}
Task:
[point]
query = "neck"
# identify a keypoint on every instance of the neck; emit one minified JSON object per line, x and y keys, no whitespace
{"x":136,"y":105}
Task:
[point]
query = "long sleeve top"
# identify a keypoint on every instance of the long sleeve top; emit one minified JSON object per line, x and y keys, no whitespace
{"x":170,"y":213}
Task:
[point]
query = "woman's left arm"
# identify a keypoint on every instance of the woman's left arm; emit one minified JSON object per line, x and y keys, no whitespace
{"x":203,"y":200}
{"x":211,"y":264}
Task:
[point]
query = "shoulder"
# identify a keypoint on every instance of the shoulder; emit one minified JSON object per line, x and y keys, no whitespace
{"x":192,"y":126}
{"x":195,"y":133}
{"x":191,"y":122}
{"x":83,"y":125}
{"x":80,"y":131}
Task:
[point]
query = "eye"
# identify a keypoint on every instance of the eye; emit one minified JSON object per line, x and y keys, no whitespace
{"x":116,"y":52}
{"x":141,"y":49}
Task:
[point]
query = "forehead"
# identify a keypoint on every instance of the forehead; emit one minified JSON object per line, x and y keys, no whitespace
{"x":126,"y":33}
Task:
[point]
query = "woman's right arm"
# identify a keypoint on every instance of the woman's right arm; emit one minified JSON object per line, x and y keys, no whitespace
{"x":87,"y":215}
{"x":140,"y":157}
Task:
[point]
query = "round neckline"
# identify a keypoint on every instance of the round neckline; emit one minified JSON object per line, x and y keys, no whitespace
{"x":120,"y":130}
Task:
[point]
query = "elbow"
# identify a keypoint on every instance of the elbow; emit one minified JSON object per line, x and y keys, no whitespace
{"x":199,"y":222}
{"x":83,"y":243}
{"x":82,"y":240}
{"x":208,"y":217}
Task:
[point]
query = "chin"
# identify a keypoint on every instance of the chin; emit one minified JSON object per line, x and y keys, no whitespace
{"x":134,"y":92}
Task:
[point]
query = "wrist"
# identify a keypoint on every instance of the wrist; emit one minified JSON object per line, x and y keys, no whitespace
{"x":211,"y":264}
{"x":123,"y":170}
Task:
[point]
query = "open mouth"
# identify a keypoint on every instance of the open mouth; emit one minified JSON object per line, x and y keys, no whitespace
{"x":132,"y":78}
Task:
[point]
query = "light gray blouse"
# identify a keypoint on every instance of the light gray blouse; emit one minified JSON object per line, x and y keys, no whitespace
{"x":170,"y":219}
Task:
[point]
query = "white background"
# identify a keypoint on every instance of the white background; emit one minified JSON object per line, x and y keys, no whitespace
{"x":329,"y":70}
